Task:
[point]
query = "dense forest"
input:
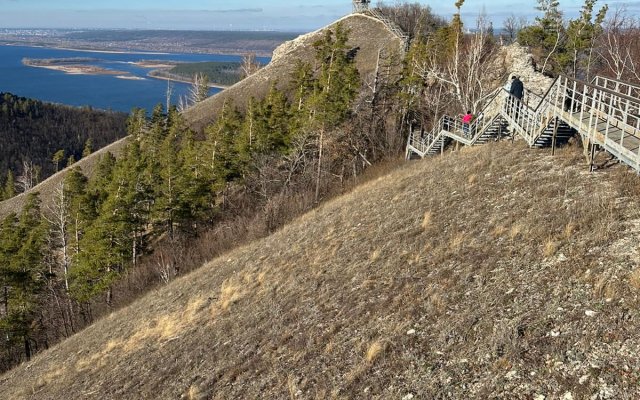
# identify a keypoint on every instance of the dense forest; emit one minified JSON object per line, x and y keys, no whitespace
{"x":38,"y":139}
{"x":175,"y":198}
{"x":217,"y":72}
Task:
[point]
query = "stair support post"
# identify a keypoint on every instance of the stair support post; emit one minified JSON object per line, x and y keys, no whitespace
{"x":592,"y":156}
{"x":556,"y":122}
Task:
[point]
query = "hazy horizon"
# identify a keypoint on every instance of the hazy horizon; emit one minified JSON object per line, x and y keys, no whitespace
{"x":238,"y":15}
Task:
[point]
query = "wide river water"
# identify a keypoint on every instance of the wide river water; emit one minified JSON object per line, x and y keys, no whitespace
{"x":97,"y":91}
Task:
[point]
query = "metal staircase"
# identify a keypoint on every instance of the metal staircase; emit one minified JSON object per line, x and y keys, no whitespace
{"x":362,"y":7}
{"x":392,"y":26}
{"x":605,"y":113}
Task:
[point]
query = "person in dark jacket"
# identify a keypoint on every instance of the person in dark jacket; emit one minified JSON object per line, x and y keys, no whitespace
{"x":517,"y":88}
{"x":516,"y":91}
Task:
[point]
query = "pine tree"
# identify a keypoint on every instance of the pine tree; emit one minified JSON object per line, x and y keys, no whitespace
{"x":195,"y":194}
{"x":57,"y":157}
{"x":222,"y":160}
{"x":116,"y":238}
{"x":334,"y":92}
{"x":338,"y":80}
{"x":22,"y":272}
{"x":581,"y":33}
{"x":88,"y":148}
{"x":548,"y":37}
{"x":9,"y":186}
{"x":167,"y":190}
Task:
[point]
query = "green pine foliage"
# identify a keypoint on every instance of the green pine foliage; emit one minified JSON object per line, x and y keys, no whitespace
{"x":9,"y":189}
{"x":22,"y":273}
{"x":562,"y":47}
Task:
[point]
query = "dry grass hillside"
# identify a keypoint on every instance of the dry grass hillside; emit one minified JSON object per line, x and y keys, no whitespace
{"x":368,"y":35}
{"x":495,"y":272}
{"x":47,"y":187}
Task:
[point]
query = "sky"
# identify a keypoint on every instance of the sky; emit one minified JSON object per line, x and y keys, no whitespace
{"x":283,"y":15}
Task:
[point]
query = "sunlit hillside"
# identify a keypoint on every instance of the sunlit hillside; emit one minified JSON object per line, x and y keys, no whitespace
{"x":495,"y":272}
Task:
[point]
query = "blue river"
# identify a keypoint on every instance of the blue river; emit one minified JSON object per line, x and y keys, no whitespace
{"x":97,"y":91}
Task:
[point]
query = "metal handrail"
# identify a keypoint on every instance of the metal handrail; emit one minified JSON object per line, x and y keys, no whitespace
{"x":448,"y":126}
{"x":619,"y":86}
{"x":601,"y":115}
{"x":393,"y":27}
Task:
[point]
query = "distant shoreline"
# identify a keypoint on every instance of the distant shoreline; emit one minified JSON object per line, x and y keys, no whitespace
{"x":109,"y":51}
{"x":258,"y":53}
{"x":85,"y":50}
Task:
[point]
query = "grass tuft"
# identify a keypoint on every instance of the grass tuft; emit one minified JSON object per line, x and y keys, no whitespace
{"x":375,"y":350}
{"x":426,"y":220}
{"x":550,"y":247}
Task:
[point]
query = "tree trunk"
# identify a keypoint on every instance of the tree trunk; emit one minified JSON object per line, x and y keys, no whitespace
{"x":27,"y":348}
{"x":321,"y":140}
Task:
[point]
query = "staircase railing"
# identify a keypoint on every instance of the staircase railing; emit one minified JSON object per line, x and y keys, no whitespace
{"x":454,"y":128}
{"x":392,"y":26}
{"x":618,"y":86}
{"x":530,"y":122}
{"x":604,"y":117}
{"x":605,"y":112}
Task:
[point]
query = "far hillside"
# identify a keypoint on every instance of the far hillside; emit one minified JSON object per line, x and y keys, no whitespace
{"x":171,"y":41}
{"x":218,"y":73}
{"x":33,"y":132}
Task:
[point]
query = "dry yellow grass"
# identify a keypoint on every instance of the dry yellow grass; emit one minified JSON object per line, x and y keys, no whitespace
{"x":550,"y":247}
{"x":375,"y":350}
{"x":426,"y":220}
{"x":357,"y":300}
{"x":634,"y":278}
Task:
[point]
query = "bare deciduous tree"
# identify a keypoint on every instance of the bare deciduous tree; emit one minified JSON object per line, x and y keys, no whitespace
{"x":198,"y":92}
{"x":249,"y":65}
{"x":58,"y":217}
{"x":618,"y":46}
{"x":465,"y":74}
{"x":512,"y":25}
{"x":29,"y":177}
{"x":415,"y":19}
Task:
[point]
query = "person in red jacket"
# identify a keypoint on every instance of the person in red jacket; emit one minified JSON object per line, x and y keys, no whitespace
{"x":466,"y":121}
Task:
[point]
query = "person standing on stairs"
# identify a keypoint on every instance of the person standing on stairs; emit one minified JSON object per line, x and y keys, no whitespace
{"x":517,"y":91}
{"x":466,"y":121}
{"x":517,"y":88}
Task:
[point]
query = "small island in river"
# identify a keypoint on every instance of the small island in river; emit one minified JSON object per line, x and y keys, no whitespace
{"x":75,"y":66}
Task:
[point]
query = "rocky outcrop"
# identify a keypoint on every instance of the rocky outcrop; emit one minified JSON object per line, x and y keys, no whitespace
{"x":517,"y":61}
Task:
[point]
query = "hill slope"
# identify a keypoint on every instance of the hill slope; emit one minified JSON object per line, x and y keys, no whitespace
{"x":367,"y":35}
{"x":47,"y":187}
{"x":496,"y":272}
